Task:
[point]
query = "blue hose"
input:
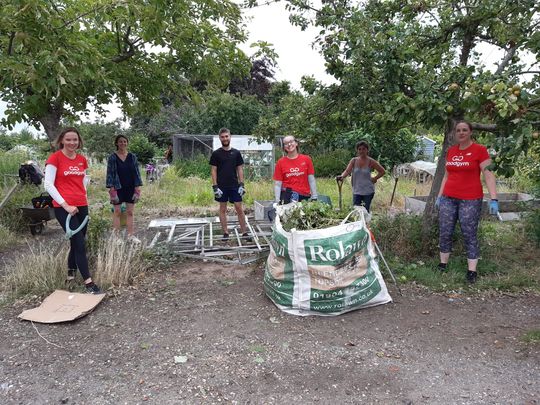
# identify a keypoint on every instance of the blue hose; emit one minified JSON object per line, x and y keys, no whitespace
{"x":70,"y":232}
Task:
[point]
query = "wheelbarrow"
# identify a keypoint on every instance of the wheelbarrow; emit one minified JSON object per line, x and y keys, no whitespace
{"x":37,"y":218}
{"x":38,"y":213}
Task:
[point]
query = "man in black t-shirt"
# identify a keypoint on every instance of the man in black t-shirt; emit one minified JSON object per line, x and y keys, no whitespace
{"x":228,"y":181}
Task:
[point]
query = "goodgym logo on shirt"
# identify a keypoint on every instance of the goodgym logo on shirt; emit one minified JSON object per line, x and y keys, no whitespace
{"x":74,"y":171}
{"x":294,"y":171}
{"x":457,"y":161}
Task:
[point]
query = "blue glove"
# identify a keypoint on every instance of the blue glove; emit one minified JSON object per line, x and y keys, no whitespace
{"x":438,"y":202}
{"x":241,"y":190}
{"x":494,"y":207}
{"x":217,"y":192}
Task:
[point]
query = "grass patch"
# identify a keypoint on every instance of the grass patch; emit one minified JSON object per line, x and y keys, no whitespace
{"x":531,"y":337}
{"x":7,"y":238}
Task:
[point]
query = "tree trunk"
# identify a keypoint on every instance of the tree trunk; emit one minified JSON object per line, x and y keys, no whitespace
{"x":51,"y":122}
{"x":429,"y":220}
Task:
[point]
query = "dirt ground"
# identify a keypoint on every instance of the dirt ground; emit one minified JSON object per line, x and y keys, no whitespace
{"x":203,"y":333}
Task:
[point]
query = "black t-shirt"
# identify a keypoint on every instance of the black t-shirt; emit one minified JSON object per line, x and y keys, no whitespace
{"x":226,"y":162}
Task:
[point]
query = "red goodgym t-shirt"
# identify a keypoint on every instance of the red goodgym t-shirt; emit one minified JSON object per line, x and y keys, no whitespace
{"x":294,"y":173}
{"x":69,"y":178}
{"x":463,"y":168}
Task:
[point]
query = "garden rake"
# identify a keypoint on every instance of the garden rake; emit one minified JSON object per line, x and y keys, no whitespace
{"x":384,"y":261}
{"x":340,"y":196}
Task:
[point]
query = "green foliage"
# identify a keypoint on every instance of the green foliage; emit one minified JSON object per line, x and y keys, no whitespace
{"x":98,"y":228}
{"x":11,"y":216}
{"x":59,"y":58}
{"x":196,"y":167}
{"x":531,"y":336}
{"x":99,"y":138}
{"x":10,"y":163}
{"x":214,"y":110}
{"x":532,"y":223}
{"x":332,"y":163}
{"x":402,"y":235}
{"x":143,"y":148}
{"x":307,"y":215}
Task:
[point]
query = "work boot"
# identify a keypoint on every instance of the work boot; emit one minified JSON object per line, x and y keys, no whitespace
{"x":225,"y":237}
{"x":442,"y":267}
{"x":471,"y":277}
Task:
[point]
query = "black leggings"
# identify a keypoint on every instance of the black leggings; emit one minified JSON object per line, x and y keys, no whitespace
{"x":77,"y":254}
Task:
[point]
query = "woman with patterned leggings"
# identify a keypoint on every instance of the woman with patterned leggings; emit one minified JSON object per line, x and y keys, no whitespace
{"x":460,"y":196}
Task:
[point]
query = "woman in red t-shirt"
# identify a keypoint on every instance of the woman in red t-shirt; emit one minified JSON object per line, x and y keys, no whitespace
{"x":461,"y":194}
{"x":66,"y":181}
{"x":294,"y":175}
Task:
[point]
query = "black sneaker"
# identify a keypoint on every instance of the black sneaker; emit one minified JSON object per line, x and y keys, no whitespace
{"x":442,"y":267}
{"x":246,"y":237}
{"x":225,"y":237}
{"x":92,"y":288}
{"x":471,"y":277}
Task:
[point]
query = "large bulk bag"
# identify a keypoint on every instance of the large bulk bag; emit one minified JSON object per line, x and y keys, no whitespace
{"x":326,"y":271}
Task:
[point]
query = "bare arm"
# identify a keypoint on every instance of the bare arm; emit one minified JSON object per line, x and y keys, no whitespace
{"x":378,"y":168}
{"x":213,"y":174}
{"x":489,"y":178}
{"x":348,"y":170}
{"x":240,"y":173}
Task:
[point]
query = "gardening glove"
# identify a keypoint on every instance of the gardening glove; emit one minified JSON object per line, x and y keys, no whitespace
{"x":494,"y":207}
{"x":136,"y":196}
{"x":217,"y":192}
{"x":113,"y":195}
{"x":339,"y":178}
{"x":438,"y":202}
{"x":241,"y":190}
{"x":313,"y":198}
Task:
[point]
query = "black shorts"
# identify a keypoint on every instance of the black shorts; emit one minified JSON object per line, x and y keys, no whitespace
{"x":125,"y":195}
{"x":230,"y":194}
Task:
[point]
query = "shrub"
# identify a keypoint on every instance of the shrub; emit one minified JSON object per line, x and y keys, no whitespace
{"x":532,"y":225}
{"x":196,"y":167}
{"x":143,"y":148}
{"x":332,"y":163}
{"x":402,"y":235}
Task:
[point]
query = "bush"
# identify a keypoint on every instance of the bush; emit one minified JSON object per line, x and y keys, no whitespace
{"x":196,"y":167}
{"x":402,"y":235}
{"x":532,"y":225}
{"x":332,"y":163}
{"x":143,"y":148}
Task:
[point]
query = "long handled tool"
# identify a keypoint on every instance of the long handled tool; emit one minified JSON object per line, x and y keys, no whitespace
{"x":384,"y":261}
{"x":339,"y":185}
{"x":70,"y":232}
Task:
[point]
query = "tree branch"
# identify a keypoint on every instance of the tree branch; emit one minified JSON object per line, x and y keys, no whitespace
{"x":507,"y":58}
{"x":524,"y":72}
{"x":81,"y":16}
{"x":10,"y":46}
{"x":484,"y":127}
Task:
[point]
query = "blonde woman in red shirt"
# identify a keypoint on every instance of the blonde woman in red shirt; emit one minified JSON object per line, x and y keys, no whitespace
{"x":461,"y":194}
{"x":66,"y":181}
{"x":294,"y":175}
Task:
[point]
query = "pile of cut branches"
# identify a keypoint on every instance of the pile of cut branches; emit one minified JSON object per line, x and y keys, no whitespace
{"x":308,"y":215}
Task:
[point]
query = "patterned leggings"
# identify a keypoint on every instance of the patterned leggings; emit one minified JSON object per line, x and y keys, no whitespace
{"x":468,"y":213}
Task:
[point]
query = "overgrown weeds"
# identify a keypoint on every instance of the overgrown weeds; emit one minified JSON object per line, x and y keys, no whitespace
{"x":117,"y":262}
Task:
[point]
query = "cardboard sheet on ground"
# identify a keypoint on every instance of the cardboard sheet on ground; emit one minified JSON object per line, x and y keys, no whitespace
{"x":62,"y":306}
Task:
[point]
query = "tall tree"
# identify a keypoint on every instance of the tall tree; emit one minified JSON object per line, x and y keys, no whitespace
{"x":59,"y":57}
{"x":407,"y":63}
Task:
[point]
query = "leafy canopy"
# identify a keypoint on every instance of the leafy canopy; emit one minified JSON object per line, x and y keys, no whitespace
{"x":60,"y":57}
